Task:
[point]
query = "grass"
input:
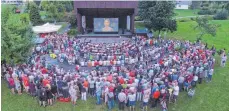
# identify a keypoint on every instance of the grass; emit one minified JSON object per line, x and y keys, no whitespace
{"x":185,"y":13}
{"x":185,"y":31}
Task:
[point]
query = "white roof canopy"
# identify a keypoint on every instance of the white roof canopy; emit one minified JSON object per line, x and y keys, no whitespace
{"x":46,"y":28}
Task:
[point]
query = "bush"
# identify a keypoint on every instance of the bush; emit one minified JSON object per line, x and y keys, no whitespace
{"x":205,"y":12}
{"x":221,"y":15}
{"x":72,"y":32}
{"x":209,"y":17}
{"x":184,"y":20}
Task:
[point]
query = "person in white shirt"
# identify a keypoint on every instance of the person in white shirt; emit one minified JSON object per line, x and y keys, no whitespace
{"x":146,"y":97}
{"x":223,"y":60}
{"x":122,"y":100}
{"x":132,"y":100}
{"x":210,"y":75}
{"x":175,"y":93}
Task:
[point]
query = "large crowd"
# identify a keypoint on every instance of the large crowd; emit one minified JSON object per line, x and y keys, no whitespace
{"x":151,"y":71}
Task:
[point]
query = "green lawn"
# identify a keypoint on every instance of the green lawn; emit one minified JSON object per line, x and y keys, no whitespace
{"x":185,"y":31}
{"x":185,"y":13}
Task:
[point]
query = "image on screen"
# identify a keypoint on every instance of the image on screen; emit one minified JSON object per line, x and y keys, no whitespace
{"x":105,"y":24}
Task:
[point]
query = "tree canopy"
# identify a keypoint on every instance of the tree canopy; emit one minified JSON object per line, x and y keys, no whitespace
{"x":34,"y":14}
{"x":16,"y":39}
{"x":157,"y":15}
{"x":205,"y":27}
{"x":56,"y":10}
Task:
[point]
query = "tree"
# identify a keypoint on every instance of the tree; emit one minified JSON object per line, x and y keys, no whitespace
{"x":226,"y":6}
{"x":221,"y":15}
{"x":71,"y":18}
{"x":205,"y":27}
{"x":34,"y":14}
{"x":157,"y":15}
{"x":16,"y":37}
{"x":52,"y":11}
{"x":195,"y":5}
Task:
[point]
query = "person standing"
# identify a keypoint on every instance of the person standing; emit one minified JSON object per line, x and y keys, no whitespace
{"x":223,"y":60}
{"x":156,"y":96}
{"x":42,"y":97}
{"x":32,"y":90}
{"x":54,"y":91}
{"x":72,"y":92}
{"x":139,"y":92}
{"x":132,"y":100}
{"x":11,"y":84}
{"x":122,"y":100}
{"x":85,"y":85}
{"x":49,"y":94}
{"x":210,"y":75}
{"x":18,"y":86}
{"x":83,"y":93}
{"x":110,"y":100}
{"x":98,"y":95}
{"x":175,"y":92}
{"x":92,"y":87}
{"x":146,"y":97}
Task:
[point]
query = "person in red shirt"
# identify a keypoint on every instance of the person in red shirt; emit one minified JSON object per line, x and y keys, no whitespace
{"x":25,"y":80}
{"x":45,"y":82}
{"x":44,"y":71}
{"x":156,"y":96}
{"x":85,"y":84}
{"x":132,"y":74}
{"x":121,"y":80}
{"x":11,"y":84}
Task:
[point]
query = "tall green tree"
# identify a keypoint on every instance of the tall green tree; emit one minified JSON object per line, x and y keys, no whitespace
{"x":16,"y":40}
{"x":34,"y":14}
{"x":226,"y":6}
{"x":205,"y":27}
{"x":52,"y":12}
{"x":157,"y":15}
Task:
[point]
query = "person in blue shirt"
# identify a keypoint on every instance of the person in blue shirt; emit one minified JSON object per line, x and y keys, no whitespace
{"x":98,"y":95}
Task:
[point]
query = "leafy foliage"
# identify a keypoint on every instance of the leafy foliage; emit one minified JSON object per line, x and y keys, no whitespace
{"x":205,"y":9}
{"x":226,"y":6}
{"x":16,"y":37}
{"x":34,"y":14}
{"x":71,"y":18}
{"x":157,"y":15}
{"x":195,"y":5}
{"x":72,"y":32}
{"x":205,"y":27}
{"x":56,"y":10}
{"x":221,"y":15}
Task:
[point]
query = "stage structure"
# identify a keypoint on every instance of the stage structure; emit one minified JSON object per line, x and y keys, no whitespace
{"x":105,"y":18}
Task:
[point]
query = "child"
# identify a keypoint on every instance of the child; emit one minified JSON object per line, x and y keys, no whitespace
{"x":191,"y":92}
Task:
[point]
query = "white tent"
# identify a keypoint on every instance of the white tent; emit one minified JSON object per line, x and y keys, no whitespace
{"x":46,"y":28}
